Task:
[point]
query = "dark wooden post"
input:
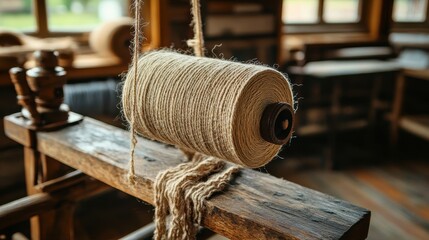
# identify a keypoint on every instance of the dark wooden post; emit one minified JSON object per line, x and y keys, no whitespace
{"x":40,"y":93}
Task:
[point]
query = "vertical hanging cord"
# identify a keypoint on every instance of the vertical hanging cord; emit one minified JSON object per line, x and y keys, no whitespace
{"x":198,"y":42}
{"x":133,"y":137}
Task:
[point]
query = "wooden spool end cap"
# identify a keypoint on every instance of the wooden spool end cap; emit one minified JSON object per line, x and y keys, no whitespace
{"x":277,"y":123}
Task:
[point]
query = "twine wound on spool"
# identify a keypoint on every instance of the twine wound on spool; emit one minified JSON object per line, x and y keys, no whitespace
{"x":234,"y":111}
{"x":211,"y":106}
{"x":228,"y":110}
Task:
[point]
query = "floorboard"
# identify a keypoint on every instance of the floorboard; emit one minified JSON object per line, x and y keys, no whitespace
{"x":396,"y":193}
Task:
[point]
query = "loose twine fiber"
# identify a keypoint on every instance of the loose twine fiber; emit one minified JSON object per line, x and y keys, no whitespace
{"x":208,"y":106}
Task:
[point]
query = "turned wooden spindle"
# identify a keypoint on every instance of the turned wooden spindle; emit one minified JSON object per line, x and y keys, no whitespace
{"x":46,"y":81}
{"x":24,"y":95}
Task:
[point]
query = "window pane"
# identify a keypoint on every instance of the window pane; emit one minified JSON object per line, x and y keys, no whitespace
{"x":17,"y":15}
{"x":83,"y":15}
{"x":300,"y":11}
{"x":341,"y":11}
{"x":409,"y":10}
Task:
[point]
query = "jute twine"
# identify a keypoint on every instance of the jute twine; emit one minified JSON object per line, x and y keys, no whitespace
{"x":209,"y":106}
{"x":198,"y":42}
{"x":180,"y":191}
{"x":136,"y":51}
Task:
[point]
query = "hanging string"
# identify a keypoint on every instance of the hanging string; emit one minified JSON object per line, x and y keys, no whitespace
{"x":133,"y":137}
{"x":198,"y":42}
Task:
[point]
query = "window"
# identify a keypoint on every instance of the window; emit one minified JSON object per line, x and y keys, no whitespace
{"x":341,"y":11}
{"x":327,"y":15}
{"x":300,"y":11}
{"x":17,"y":15}
{"x":410,"y":10}
{"x":410,"y":15}
{"x":55,"y":16}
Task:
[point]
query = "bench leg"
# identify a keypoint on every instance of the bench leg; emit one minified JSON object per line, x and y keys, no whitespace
{"x":397,"y":109}
{"x":55,"y":224}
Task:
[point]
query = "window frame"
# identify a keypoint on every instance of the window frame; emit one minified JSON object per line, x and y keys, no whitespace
{"x":328,"y":27}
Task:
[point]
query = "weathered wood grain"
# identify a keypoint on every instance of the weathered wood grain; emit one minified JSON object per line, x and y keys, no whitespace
{"x":255,"y":206}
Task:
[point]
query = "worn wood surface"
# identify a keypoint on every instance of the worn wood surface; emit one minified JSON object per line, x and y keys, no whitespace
{"x":255,"y":206}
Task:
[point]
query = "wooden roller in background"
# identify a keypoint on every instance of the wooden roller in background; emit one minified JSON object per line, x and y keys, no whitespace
{"x":113,"y":38}
{"x":8,"y":38}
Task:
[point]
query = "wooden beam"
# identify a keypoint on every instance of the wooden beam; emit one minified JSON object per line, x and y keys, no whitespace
{"x":255,"y":206}
{"x":24,"y":208}
{"x":40,"y":203}
{"x":145,"y":232}
{"x":380,"y":19}
{"x":62,"y":182}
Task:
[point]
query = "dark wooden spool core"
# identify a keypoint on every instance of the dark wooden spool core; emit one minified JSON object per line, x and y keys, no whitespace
{"x":277,"y":122}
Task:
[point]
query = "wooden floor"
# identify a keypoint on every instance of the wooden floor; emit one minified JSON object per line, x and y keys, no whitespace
{"x":396,"y":193}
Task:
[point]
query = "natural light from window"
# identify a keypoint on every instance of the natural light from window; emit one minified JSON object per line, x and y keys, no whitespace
{"x":410,"y":10}
{"x":63,"y":15}
{"x":341,"y":11}
{"x":331,"y":11}
{"x":82,"y":14}
{"x":300,"y":11}
{"x":17,"y":15}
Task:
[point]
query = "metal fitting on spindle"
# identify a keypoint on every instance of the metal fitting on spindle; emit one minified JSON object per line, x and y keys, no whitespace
{"x":277,"y":123}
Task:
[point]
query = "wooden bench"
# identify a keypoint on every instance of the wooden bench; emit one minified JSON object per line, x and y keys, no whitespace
{"x":255,"y":206}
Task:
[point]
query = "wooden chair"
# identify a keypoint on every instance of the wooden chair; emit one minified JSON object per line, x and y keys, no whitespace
{"x":417,"y":124}
{"x":73,"y":158}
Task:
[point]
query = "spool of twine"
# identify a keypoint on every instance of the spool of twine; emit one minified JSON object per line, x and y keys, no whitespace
{"x":206,"y":105}
{"x":113,"y":38}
